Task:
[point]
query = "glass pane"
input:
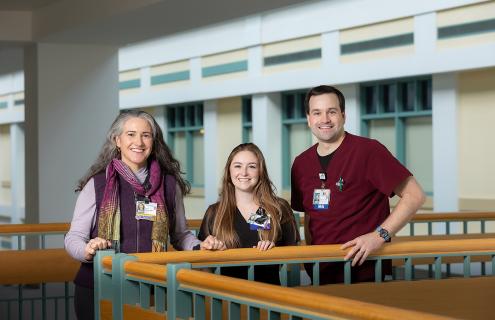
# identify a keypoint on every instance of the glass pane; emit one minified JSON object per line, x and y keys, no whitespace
{"x":191,"y":117}
{"x":425,"y":94}
{"x":198,"y":159}
{"x":181,"y":116}
{"x":407,"y":96}
{"x":289,"y":106}
{"x":247,"y":109}
{"x":171,"y":117}
{"x":299,"y":140}
{"x":384,"y":131}
{"x":369,"y":100}
{"x":302,"y":109}
{"x":419,"y":150}
{"x":5,"y":194}
{"x":199,"y":115}
{"x":180,"y":150}
{"x":388,"y":97}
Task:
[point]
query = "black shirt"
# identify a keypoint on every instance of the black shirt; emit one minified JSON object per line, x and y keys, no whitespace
{"x":247,"y":239}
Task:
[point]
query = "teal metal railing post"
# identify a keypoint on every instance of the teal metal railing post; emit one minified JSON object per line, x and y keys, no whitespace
{"x":118,"y":278}
{"x":179,"y":303}
{"x":102,"y":282}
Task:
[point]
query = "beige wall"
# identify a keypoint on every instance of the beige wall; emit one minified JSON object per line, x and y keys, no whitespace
{"x":476,"y":139}
{"x":5,"y":196}
{"x":229,"y":128}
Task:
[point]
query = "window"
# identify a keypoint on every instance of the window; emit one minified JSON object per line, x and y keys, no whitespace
{"x":247,"y":120}
{"x":398,"y":114}
{"x":296,"y":136}
{"x":185,"y":138}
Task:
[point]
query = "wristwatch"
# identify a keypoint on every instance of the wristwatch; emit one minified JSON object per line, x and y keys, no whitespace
{"x":383,"y":233}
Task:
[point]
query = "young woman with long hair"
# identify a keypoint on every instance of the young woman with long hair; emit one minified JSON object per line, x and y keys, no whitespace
{"x":248,"y":213}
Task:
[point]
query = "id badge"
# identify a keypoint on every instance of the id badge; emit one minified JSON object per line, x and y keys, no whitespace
{"x":321,"y":199}
{"x":146,"y":211}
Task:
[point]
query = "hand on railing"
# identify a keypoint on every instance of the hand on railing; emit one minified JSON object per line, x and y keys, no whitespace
{"x":265,"y":245}
{"x":212,"y":243}
{"x":93,"y":245}
{"x":362,"y":247}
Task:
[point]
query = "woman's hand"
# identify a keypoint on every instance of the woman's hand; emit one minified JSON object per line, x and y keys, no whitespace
{"x":93,"y":245}
{"x":264,"y":245}
{"x":212,"y":243}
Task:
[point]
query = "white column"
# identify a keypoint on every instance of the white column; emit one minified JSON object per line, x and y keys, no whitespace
{"x":212,"y":174}
{"x":267,"y":133}
{"x":17,"y":172}
{"x":71,"y":99}
{"x":445,"y":151}
{"x":352,"y":108}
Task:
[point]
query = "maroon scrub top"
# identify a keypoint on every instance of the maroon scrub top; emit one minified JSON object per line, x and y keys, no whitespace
{"x":369,"y":172}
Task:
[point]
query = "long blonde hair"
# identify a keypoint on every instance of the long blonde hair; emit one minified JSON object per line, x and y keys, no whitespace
{"x":264,"y":194}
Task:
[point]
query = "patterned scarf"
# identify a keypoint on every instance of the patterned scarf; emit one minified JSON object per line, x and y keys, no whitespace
{"x":109,"y":218}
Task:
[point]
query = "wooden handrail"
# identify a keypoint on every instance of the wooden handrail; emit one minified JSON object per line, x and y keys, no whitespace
{"x":196,"y":223}
{"x":403,"y":248}
{"x":315,"y":304}
{"x":453,"y":216}
{"x":146,"y":270}
{"x":37,"y":266}
{"x":34,"y":228}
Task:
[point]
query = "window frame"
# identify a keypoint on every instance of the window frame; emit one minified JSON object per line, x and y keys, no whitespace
{"x":399,"y":115}
{"x":191,"y":123}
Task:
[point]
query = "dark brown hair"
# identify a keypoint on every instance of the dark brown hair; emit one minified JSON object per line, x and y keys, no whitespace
{"x":324,"y":89}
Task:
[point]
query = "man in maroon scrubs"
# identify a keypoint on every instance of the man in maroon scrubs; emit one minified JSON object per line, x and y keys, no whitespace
{"x":343,"y":183}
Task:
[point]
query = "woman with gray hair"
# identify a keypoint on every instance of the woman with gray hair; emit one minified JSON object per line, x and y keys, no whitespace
{"x":130,"y":200}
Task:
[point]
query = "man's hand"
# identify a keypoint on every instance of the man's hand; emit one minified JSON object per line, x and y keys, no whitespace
{"x":93,"y":245}
{"x":362,"y":247}
{"x":212,"y":243}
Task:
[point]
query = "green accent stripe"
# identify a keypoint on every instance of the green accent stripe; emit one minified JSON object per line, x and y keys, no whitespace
{"x":293,"y":57}
{"x":466,"y":29}
{"x":170,"y":77}
{"x":19,"y":102}
{"x":3,"y":104}
{"x":129,"y":84}
{"x":376,"y":44}
{"x":219,"y":69}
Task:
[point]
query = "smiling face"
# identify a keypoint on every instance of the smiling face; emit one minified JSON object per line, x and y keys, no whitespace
{"x":135,"y":143}
{"x":244,"y":171}
{"x":325,"y":119}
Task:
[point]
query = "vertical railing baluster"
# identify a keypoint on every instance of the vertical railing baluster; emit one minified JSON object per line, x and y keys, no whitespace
{"x":234,"y":310}
{"x":408,"y":269}
{"x":347,"y":272}
{"x":283,"y":275}
{"x":251,"y":272}
{"x":199,"y":307}
{"x":316,"y":274}
{"x":253,"y":313}
{"x":467,"y":266}
{"x":378,"y":270}
{"x":66,"y":300}
{"x":43,"y":301}
{"x":438,"y":268}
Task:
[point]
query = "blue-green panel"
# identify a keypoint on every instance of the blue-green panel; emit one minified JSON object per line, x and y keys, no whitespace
{"x":376,"y":44}
{"x":466,"y":29}
{"x":170,"y":77}
{"x":19,"y":102}
{"x":219,"y":69}
{"x":3,"y":104}
{"x":129,"y":84}
{"x":293,"y":57}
